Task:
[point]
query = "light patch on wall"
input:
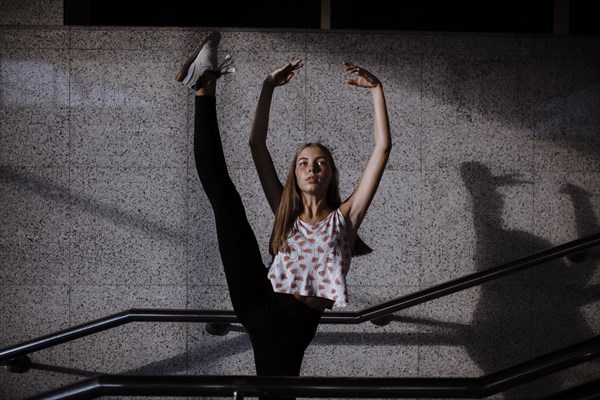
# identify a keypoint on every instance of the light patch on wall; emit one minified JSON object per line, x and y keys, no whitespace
{"x":107,"y":95}
{"x":36,"y":83}
{"x":32,"y":83}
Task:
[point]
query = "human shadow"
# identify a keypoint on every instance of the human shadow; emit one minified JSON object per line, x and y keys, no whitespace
{"x":531,"y":312}
{"x":512,"y":313}
{"x":585,"y":221}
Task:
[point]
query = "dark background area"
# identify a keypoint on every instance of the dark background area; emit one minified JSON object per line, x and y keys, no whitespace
{"x":498,"y":16}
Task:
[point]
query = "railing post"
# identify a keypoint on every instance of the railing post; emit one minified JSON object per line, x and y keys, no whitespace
{"x":19,"y":364}
{"x":217,"y":328}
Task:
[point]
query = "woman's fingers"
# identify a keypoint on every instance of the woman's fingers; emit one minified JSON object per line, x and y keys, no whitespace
{"x":284,"y":74}
{"x":294,"y":65}
{"x":363,"y":77}
{"x":355,"y":69}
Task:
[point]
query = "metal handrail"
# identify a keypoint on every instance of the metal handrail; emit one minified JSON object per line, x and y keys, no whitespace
{"x":239,"y":386}
{"x":452,"y":286}
{"x":331,"y":317}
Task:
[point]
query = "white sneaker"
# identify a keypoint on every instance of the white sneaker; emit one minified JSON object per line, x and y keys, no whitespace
{"x":204,"y":58}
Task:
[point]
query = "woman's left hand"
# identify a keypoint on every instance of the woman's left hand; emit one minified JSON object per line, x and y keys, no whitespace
{"x":363,"y":77}
{"x":282,"y":75}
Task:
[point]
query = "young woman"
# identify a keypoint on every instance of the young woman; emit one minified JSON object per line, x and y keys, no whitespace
{"x":315,"y":233}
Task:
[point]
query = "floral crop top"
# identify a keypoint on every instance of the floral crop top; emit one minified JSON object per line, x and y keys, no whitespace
{"x":318,"y":260}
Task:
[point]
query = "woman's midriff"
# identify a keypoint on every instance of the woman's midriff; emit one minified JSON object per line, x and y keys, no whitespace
{"x":316,"y":303}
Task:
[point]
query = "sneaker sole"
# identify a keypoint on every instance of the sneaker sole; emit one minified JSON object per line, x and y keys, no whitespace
{"x":184,"y":69}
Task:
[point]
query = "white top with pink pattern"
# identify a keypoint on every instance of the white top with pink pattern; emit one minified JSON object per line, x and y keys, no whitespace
{"x":318,"y":260}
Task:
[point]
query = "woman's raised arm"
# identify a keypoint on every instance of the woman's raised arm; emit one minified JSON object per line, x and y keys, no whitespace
{"x":263,"y":162}
{"x":356,"y":206}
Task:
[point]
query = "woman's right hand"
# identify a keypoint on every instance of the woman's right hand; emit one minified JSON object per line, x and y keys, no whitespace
{"x":363,"y":77}
{"x":282,"y":75}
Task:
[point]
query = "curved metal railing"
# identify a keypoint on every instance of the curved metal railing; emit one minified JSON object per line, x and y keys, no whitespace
{"x":13,"y":355}
{"x":339,"y":387}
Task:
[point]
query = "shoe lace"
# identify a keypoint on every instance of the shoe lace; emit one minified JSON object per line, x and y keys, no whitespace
{"x":226,"y":66}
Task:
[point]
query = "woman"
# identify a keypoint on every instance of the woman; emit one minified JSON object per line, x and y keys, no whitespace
{"x":314,"y":232}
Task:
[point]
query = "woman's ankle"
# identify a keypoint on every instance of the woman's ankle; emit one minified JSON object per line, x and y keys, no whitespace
{"x":209,"y":84}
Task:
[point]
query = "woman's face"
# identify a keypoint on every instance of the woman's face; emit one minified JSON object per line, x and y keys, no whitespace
{"x":313,"y":171}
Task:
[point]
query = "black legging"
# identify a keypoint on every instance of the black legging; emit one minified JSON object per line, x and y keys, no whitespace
{"x":280,"y":327}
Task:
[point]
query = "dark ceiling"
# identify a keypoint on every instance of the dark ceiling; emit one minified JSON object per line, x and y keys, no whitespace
{"x":499,"y":16}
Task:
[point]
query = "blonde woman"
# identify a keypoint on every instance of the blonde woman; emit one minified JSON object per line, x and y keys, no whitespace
{"x":314,"y":234}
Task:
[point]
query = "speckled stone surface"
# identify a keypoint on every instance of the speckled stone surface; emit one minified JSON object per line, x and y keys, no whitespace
{"x":392,"y":230}
{"x":495,"y":156}
{"x":28,"y":312}
{"x":130,"y":226}
{"x":367,"y":349}
{"x":483,"y":329}
{"x":475,"y":108}
{"x":36,"y":12}
{"x":34,"y":107}
{"x":133,"y":348}
{"x":212,"y":354}
{"x":35,"y":224}
{"x":568,"y":207}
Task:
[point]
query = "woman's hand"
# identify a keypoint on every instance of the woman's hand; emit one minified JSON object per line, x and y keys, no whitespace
{"x":363,"y":77}
{"x":282,"y":75}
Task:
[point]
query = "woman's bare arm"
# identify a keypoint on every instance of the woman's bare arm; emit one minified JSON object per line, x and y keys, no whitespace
{"x":263,"y":162}
{"x":356,"y":206}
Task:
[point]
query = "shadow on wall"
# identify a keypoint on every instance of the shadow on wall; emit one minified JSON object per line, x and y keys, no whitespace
{"x":534,"y":311}
{"x":204,"y":359}
{"x":23,"y":179}
{"x":531,"y":307}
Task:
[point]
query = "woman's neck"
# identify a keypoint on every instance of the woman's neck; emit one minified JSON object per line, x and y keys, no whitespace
{"x":314,"y":211}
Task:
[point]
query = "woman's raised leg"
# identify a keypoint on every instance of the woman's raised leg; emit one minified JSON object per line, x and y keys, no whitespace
{"x":240,"y":254}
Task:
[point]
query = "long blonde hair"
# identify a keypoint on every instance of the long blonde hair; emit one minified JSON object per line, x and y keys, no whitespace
{"x":290,"y":205}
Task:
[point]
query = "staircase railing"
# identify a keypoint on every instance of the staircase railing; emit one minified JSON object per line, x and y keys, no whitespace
{"x":16,"y":358}
{"x":14,"y":355}
{"x":340,"y":387}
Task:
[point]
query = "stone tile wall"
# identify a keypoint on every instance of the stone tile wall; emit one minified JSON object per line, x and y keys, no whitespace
{"x":496,"y":155}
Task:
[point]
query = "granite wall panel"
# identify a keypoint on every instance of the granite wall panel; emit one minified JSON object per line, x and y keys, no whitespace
{"x":496,"y":155}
